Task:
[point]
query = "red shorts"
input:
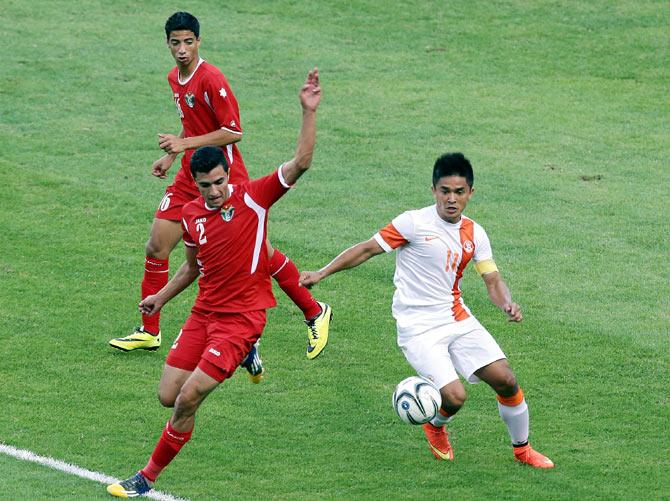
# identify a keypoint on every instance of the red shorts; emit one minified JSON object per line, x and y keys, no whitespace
{"x":217,"y":343}
{"x":172,"y":203}
{"x":183,"y":190}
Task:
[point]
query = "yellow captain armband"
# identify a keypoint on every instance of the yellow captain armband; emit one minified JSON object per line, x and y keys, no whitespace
{"x":487,"y":266}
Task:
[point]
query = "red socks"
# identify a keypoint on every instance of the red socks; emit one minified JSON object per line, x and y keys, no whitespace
{"x":284,"y":271}
{"x":155,"y":278}
{"x":167,"y":448}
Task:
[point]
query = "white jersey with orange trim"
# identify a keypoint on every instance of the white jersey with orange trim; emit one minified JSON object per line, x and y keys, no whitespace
{"x":432,"y":255}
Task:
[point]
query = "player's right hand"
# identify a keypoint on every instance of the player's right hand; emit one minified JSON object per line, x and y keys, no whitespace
{"x":151,"y":305}
{"x":161,"y":166}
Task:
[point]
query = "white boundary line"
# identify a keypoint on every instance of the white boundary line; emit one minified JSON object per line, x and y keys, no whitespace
{"x":26,"y":455}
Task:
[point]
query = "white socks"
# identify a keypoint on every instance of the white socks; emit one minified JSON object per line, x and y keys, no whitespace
{"x":440,"y":419}
{"x":516,"y":419}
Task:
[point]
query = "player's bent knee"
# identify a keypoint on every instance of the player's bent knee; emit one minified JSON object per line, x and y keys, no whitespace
{"x":188,"y":400}
{"x":506,"y":386}
{"x":166,"y":400}
{"x":453,"y":396}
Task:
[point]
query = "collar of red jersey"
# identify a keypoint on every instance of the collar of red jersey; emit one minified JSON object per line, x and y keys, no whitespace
{"x":188,"y":79}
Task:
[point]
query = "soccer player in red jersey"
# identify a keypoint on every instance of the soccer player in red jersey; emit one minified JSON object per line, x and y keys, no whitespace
{"x":210,"y":116}
{"x":225,"y":232}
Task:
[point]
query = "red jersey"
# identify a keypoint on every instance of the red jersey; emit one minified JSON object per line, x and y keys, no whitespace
{"x":206,"y":103}
{"x":232,"y":254}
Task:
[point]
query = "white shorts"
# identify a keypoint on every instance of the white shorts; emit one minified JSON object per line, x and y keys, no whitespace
{"x":440,"y":353}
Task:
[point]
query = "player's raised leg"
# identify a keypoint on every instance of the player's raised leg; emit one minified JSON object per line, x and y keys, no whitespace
{"x":165,"y":234}
{"x":317,"y":314}
{"x":453,"y":397}
{"x":513,"y":411}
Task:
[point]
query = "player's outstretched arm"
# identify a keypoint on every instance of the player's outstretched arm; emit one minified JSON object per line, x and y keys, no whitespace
{"x":501,"y":296}
{"x":310,"y":97}
{"x":350,"y":258}
{"x":184,"y":277}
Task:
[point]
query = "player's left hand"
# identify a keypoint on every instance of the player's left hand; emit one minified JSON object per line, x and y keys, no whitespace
{"x":151,"y":305}
{"x":171,"y":144}
{"x":310,"y":93}
{"x":513,"y":311}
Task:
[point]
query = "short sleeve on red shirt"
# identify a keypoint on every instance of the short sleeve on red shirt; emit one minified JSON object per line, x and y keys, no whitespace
{"x":268,"y":189}
{"x":221,"y":100}
{"x":188,"y":241}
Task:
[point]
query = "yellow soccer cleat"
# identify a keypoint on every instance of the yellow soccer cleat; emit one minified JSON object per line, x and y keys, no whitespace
{"x":253,"y":364}
{"x":317,"y":331}
{"x":138,"y":340}
{"x":131,"y":487}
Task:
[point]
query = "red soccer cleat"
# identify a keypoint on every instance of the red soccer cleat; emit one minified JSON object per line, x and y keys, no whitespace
{"x":526,"y":454}
{"x":438,"y":440}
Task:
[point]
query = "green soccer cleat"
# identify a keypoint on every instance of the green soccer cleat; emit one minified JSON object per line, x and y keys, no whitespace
{"x":131,"y":487}
{"x":138,"y":340}
{"x":317,"y":331}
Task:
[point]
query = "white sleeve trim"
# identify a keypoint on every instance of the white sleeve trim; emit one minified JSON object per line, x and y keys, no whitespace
{"x":231,"y":131}
{"x":281,"y":177}
{"x":382,"y":243}
{"x":187,"y":244}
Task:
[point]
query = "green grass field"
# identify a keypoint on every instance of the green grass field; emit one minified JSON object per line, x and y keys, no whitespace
{"x":561,"y":106}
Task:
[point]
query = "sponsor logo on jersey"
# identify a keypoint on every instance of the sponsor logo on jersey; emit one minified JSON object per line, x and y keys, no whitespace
{"x":227,"y":213}
{"x":190,"y":99}
{"x":222,"y":92}
{"x":468,"y":246}
{"x":215,"y":352}
{"x":431,"y":237}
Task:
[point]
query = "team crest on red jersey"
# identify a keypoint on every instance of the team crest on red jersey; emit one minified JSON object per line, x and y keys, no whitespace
{"x":190,"y":99}
{"x":468,"y":246}
{"x":227,"y":213}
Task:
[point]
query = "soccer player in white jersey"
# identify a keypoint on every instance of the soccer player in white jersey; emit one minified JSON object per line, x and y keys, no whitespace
{"x":437,"y":333}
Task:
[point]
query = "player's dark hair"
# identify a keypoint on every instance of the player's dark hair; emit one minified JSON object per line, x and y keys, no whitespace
{"x":182,"y":21}
{"x":206,"y":159}
{"x":453,"y":164}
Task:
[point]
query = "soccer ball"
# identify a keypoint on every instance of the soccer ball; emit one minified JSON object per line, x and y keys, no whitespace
{"x":416,"y":400}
